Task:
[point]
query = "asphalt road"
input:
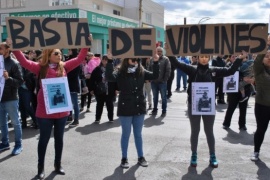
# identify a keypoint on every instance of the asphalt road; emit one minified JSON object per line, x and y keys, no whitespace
{"x":92,"y":151}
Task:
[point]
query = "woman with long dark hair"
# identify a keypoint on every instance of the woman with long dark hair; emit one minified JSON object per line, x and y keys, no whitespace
{"x":131,"y":104}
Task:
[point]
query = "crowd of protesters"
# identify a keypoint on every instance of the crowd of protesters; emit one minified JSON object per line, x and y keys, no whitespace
{"x":134,"y":80}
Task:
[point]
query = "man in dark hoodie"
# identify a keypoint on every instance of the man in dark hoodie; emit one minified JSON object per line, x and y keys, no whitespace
{"x":219,"y":62}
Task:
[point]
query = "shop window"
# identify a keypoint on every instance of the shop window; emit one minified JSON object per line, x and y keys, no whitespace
{"x":60,"y":2}
{"x":12,"y":3}
{"x":96,"y":6}
{"x":148,"y":18}
{"x":115,"y":12}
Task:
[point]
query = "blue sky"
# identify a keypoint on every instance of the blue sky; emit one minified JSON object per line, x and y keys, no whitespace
{"x":226,"y":11}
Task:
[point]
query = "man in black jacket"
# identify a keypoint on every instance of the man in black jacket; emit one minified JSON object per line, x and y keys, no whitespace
{"x":219,"y":62}
{"x":9,"y":101}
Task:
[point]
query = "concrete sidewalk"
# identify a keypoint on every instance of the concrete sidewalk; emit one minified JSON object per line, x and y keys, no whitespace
{"x":92,"y":151}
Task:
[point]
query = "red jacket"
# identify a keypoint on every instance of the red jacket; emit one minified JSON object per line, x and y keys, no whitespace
{"x":35,"y":68}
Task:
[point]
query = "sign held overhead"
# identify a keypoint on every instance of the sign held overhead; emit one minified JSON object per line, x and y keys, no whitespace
{"x":215,"y":39}
{"x":48,"y":33}
{"x":132,"y":42}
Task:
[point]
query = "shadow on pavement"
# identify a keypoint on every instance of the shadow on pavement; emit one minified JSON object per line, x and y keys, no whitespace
{"x":94,"y":127}
{"x":242,"y":137}
{"x":193,"y":174}
{"x":263,"y":170}
{"x":5,"y":158}
{"x":153,"y":121}
{"x":123,"y":174}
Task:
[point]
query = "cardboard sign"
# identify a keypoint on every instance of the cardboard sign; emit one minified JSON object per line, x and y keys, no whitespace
{"x":48,"y":33}
{"x":132,"y":42}
{"x":183,"y":40}
{"x":56,"y":95}
{"x":203,"y":98}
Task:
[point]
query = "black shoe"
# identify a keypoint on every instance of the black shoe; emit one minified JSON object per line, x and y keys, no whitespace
{"x":111,"y":120}
{"x":74,"y":123}
{"x":221,"y":101}
{"x":154,"y":112}
{"x":150,"y":106}
{"x":97,"y":121}
{"x":41,"y":173}
{"x":244,"y":128}
{"x":124,"y":163}
{"x":225,"y":127}
{"x":142,"y":162}
{"x":24,"y":125}
{"x":163,"y":114}
{"x":58,"y":169}
{"x":177,"y":89}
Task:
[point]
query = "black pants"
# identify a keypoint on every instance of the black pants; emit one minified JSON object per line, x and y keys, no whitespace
{"x":219,"y":88}
{"x":169,"y":84}
{"x":233,"y":101}
{"x":101,"y":99}
{"x":262,"y":114}
{"x":83,"y":99}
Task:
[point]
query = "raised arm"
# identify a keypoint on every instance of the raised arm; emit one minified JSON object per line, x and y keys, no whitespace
{"x":186,"y":68}
{"x":73,"y":63}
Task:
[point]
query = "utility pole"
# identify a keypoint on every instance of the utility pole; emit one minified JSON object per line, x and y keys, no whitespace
{"x":140,"y":13}
{"x":185,"y":20}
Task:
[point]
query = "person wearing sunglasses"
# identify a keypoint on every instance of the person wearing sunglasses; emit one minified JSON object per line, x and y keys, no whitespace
{"x":131,"y":104}
{"x":50,"y":66}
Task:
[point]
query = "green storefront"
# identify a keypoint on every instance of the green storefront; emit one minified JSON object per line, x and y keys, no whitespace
{"x":98,"y":24}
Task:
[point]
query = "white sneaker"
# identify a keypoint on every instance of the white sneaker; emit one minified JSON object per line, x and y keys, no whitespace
{"x":254,"y":156}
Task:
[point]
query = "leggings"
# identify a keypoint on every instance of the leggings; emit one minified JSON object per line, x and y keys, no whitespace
{"x":195,"y":121}
{"x":262,"y":114}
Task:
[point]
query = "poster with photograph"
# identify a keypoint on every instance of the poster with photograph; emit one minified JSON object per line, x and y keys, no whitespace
{"x":2,"y":79}
{"x":56,"y":95}
{"x":231,"y":83}
{"x":203,"y":98}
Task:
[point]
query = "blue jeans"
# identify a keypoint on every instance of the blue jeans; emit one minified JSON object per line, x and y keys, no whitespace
{"x":10,"y":108}
{"x":25,"y":99}
{"x":45,"y":126}
{"x":162,"y":88}
{"x":137,"y":123}
{"x":178,"y":80}
{"x":74,"y":99}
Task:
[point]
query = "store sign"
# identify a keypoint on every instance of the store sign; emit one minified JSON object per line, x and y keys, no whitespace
{"x":132,"y":42}
{"x":67,"y":13}
{"x":216,"y":39}
{"x":48,"y":33}
{"x":107,"y":21}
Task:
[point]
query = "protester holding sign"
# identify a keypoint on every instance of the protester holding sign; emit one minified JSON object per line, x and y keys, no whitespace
{"x":131,"y":106}
{"x":50,"y":66}
{"x":202,"y":73}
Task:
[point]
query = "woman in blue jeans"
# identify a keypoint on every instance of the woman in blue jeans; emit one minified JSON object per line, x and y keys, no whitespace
{"x":131,"y":105}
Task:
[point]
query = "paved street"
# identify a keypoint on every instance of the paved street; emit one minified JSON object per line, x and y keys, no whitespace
{"x":92,"y":151}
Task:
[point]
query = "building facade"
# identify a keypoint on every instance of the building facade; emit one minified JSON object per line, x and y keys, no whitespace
{"x":101,"y":15}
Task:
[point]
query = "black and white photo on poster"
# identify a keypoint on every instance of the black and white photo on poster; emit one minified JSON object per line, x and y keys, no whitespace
{"x":203,"y":98}
{"x":56,"y":95}
{"x":2,"y":79}
{"x":231,"y":83}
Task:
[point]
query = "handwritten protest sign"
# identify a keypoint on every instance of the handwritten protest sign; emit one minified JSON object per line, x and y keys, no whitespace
{"x":215,"y":39}
{"x":132,"y":42}
{"x":48,"y":33}
{"x":2,"y":79}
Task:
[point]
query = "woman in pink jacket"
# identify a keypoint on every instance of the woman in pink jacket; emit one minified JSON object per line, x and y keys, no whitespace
{"x":50,"y":66}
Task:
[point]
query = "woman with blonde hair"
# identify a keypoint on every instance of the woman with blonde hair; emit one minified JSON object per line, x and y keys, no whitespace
{"x":50,"y":66}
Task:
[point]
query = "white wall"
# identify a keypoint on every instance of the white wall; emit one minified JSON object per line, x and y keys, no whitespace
{"x":156,"y":11}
